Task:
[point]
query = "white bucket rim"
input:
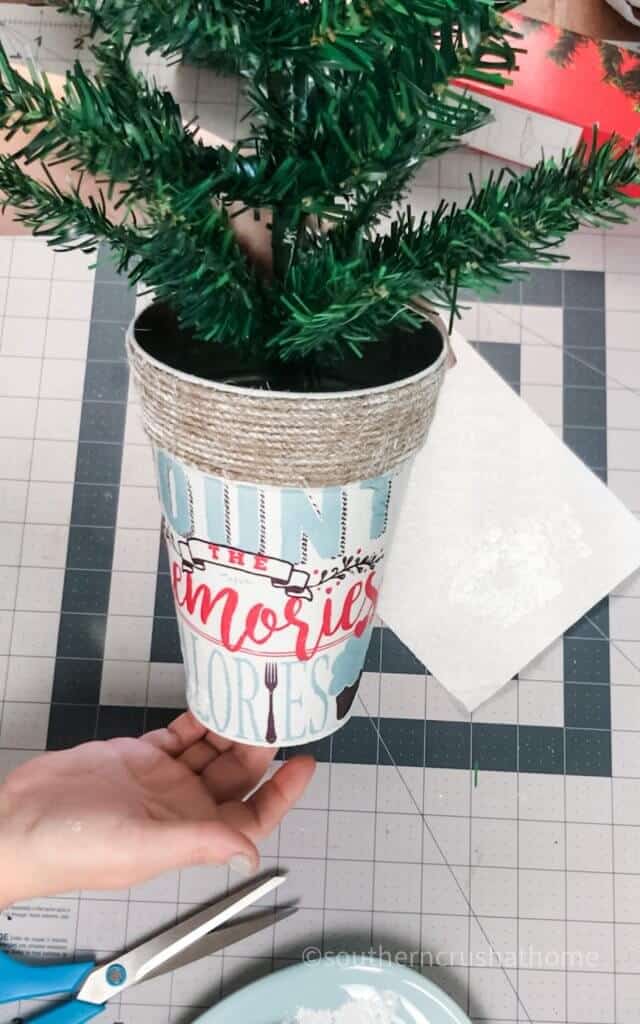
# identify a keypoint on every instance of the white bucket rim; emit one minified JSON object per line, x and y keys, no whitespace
{"x":315,"y":396}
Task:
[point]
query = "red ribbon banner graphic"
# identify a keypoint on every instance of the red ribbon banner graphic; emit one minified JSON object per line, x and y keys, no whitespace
{"x":283,"y":575}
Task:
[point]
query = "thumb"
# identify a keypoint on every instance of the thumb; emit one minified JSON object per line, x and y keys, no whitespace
{"x":176,"y":844}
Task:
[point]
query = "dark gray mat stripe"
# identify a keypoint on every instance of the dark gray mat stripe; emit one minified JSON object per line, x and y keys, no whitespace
{"x":85,"y":602}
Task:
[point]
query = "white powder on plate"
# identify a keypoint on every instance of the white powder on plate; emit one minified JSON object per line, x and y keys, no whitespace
{"x":372,"y":1008}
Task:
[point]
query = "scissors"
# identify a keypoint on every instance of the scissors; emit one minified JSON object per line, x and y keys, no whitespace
{"x":91,"y":986}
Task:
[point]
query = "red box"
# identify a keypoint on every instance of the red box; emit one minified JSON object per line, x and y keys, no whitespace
{"x":564,"y":85}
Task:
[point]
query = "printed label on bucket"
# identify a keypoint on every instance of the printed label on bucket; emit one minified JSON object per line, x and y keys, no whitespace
{"x":275,"y":591}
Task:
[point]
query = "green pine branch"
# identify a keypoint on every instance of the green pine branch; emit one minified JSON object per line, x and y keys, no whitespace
{"x":119,"y":126}
{"x":511,"y":220}
{"x":186,"y":255}
{"x":348,"y":98}
{"x":452,"y":117}
{"x":344,"y":33}
{"x":114,"y":124}
{"x":67,"y":219}
{"x":342,"y":92}
{"x":369,"y":97}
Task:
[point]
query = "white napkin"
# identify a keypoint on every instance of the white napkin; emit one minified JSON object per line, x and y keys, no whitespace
{"x":504,"y":540}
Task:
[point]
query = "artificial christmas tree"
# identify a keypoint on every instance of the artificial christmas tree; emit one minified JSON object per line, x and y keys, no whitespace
{"x":285,"y":400}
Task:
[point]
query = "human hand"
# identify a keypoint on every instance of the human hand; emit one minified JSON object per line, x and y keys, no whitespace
{"x":107,"y":815}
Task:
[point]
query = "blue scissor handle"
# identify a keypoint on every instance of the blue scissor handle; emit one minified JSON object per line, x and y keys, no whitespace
{"x":73,"y":1012}
{"x":27,"y":981}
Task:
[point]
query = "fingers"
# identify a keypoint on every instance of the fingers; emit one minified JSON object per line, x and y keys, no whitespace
{"x":236,"y":771}
{"x":277,"y":796}
{"x":181,"y":734}
{"x":262,"y":812}
{"x":167,"y":846}
{"x":199,"y":756}
{"x":191,"y":743}
{"x":229,"y":770}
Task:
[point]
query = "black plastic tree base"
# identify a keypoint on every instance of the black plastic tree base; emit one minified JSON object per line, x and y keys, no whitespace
{"x":396,"y":355}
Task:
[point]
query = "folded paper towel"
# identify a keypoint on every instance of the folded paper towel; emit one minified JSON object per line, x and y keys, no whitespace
{"x":517,"y":539}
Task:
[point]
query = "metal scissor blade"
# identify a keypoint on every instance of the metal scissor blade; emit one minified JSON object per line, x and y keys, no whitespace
{"x":223,"y":937}
{"x":138,"y":963}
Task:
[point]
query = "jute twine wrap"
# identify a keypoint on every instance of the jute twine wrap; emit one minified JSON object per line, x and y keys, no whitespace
{"x":283,"y":438}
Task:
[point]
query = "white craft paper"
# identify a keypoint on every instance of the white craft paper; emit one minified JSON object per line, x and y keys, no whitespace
{"x":522,"y":135}
{"x":514,"y":538}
